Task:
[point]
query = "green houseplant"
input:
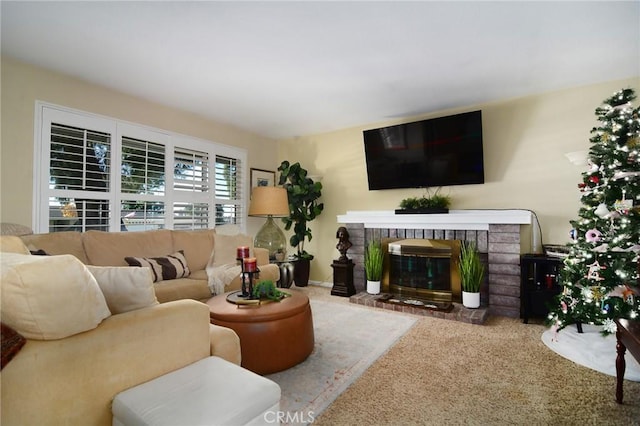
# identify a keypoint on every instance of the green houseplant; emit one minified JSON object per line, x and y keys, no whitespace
{"x":428,"y":203}
{"x":471,"y":271}
{"x":303,"y":194}
{"x":373,"y":259}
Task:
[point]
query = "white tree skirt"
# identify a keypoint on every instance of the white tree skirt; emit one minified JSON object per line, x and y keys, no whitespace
{"x":590,"y":349}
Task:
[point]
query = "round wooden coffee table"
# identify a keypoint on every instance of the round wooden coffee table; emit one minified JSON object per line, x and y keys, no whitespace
{"x":274,"y":336}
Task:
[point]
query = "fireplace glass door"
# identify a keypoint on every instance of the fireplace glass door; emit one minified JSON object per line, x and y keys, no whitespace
{"x":424,"y":269}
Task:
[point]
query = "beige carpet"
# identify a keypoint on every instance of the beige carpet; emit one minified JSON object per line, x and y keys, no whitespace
{"x":500,"y":373}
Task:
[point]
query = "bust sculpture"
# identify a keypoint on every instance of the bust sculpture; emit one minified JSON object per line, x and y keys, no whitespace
{"x":343,"y":243}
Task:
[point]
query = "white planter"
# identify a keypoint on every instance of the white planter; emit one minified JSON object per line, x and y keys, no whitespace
{"x":373,"y":287}
{"x":471,"y":300}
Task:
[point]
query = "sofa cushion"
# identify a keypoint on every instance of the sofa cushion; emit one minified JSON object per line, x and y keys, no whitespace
{"x":110,"y":248}
{"x":197,"y":246}
{"x":163,"y":268}
{"x":68,"y":242}
{"x":225,"y":248}
{"x":49,"y":297}
{"x":182,"y":288}
{"x":125,"y":289}
{"x":12,"y":244}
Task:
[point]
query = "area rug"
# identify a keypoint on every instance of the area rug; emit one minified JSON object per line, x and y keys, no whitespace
{"x":348,"y":339}
{"x":590,"y":349}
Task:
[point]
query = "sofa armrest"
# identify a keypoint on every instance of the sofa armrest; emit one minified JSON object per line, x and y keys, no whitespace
{"x":74,"y":380}
{"x":225,"y":343}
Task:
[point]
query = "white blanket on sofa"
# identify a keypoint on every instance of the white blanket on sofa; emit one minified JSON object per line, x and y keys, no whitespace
{"x":219,"y":276}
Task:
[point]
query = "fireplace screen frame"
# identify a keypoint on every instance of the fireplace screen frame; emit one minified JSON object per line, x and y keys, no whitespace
{"x":419,"y":247}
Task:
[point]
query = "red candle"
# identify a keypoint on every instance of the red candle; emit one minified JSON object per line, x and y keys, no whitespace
{"x":242,"y":252}
{"x":250,"y":264}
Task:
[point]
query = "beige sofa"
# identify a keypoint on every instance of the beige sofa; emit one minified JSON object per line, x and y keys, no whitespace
{"x":210,"y":256}
{"x":90,"y":335}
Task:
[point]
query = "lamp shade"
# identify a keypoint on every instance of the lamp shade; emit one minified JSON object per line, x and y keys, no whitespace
{"x":269,"y":201}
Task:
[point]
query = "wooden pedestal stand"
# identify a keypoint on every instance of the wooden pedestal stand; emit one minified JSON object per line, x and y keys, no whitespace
{"x":343,"y":278}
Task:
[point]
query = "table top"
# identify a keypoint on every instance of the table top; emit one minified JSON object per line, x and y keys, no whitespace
{"x":221,"y":309}
{"x":630,"y":326}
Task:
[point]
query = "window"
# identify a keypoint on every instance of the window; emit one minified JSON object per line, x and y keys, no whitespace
{"x":99,"y":173}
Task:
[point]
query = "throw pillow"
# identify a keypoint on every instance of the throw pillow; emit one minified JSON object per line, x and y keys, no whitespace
{"x":49,"y":297}
{"x":125,"y":289}
{"x":12,"y":342}
{"x":168,"y":267}
{"x":12,"y":244}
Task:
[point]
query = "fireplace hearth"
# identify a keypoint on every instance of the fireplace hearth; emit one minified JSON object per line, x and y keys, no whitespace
{"x":455,"y":311}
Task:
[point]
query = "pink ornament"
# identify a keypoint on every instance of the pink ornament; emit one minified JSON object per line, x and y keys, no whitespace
{"x":593,"y":235}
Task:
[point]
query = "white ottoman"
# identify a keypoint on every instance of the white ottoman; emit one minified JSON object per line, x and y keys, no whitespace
{"x":211,"y":391}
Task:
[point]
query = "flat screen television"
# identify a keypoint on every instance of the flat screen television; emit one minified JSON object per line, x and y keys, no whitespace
{"x":435,"y":152}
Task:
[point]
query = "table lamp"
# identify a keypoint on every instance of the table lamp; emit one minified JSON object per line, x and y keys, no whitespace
{"x":269,"y":202}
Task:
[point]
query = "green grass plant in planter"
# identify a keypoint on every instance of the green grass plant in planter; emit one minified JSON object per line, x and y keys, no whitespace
{"x":471,"y":271}
{"x":303,"y":194}
{"x":373,"y":260}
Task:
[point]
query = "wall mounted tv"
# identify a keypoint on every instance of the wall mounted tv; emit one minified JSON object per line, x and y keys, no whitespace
{"x":435,"y":152}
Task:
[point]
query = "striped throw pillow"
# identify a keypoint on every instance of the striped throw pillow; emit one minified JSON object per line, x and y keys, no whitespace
{"x":168,"y":267}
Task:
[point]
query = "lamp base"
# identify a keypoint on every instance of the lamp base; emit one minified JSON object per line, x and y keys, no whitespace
{"x":271,"y":238}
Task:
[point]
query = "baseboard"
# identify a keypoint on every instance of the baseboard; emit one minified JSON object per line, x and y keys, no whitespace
{"x":321,"y":284}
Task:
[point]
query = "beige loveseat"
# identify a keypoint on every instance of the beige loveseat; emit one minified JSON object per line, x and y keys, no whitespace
{"x":210,"y":256}
{"x":91,"y":332}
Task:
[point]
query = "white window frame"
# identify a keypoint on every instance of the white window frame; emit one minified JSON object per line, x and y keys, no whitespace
{"x":47,"y":113}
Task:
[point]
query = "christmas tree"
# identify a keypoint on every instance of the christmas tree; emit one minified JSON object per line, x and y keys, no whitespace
{"x":602,"y":265}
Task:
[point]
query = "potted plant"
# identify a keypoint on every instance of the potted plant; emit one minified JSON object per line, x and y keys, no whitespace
{"x":303,"y":194}
{"x":471,"y":271}
{"x":428,"y":203}
{"x":373,"y":259}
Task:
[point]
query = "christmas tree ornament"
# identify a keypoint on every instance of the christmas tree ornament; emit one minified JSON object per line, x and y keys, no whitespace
{"x":627,"y":295}
{"x":596,"y":293}
{"x":573,"y":234}
{"x":593,"y":272}
{"x":593,"y":236}
{"x":609,"y":326}
{"x":601,"y":211}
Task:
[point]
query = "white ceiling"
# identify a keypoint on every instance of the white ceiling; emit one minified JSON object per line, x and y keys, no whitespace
{"x":284,"y":69}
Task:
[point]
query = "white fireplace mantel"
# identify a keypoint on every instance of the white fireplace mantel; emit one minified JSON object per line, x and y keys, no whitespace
{"x":454,"y":220}
{"x":463,"y":220}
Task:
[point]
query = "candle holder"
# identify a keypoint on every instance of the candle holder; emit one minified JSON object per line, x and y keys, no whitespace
{"x":249,"y":272}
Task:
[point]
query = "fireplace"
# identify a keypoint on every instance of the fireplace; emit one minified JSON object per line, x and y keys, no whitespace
{"x":500,"y":235}
{"x":424,"y":269}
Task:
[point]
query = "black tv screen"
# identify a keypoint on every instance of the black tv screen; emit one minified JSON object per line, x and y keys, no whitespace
{"x":435,"y":152}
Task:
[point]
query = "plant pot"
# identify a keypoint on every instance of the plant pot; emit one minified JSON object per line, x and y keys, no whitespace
{"x":424,"y":210}
{"x":373,"y":287}
{"x":471,"y":300}
{"x":301,"y":272}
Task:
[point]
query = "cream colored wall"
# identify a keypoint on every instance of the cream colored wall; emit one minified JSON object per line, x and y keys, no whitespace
{"x":23,"y":84}
{"x":525,"y":167}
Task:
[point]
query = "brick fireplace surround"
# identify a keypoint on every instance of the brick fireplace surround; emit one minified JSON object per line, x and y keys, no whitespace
{"x":501,"y":236}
